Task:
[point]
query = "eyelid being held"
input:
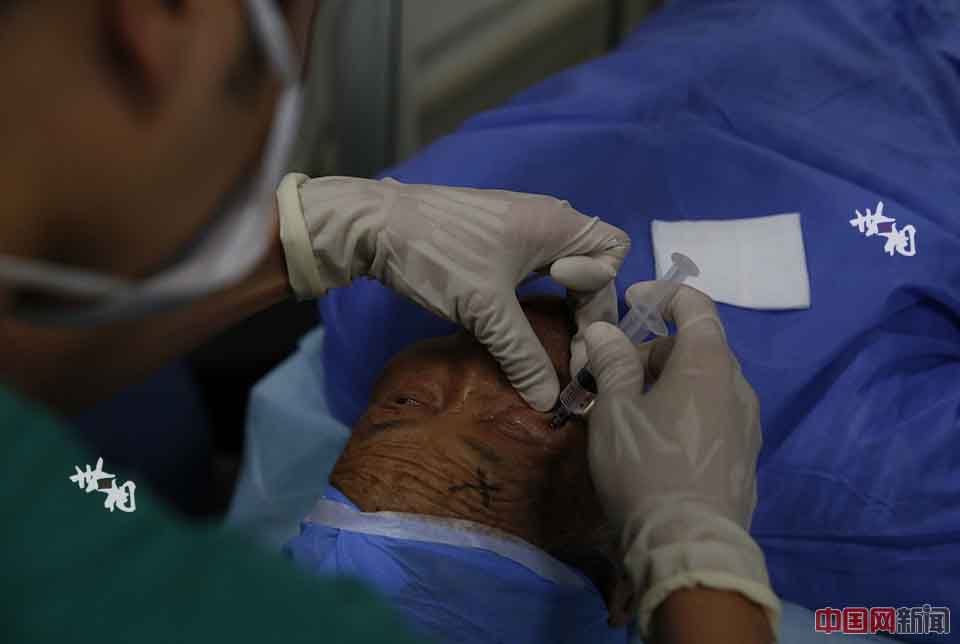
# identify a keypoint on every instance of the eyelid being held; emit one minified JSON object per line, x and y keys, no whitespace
{"x":522,"y":424}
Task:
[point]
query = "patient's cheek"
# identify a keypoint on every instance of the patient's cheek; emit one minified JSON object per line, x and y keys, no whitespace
{"x":400,"y":470}
{"x":441,"y":470}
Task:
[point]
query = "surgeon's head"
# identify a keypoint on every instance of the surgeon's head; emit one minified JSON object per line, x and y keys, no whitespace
{"x":446,"y":435}
{"x":127,"y":121}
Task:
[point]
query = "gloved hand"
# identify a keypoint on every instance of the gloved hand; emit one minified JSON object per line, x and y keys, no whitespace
{"x":676,"y":467}
{"x":458,"y":252}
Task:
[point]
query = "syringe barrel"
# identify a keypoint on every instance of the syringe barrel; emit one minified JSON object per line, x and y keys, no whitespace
{"x":646,"y":316}
{"x":636,"y":326}
{"x":578,"y":396}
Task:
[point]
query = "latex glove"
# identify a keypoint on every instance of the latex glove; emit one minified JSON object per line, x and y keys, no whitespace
{"x":676,"y":467}
{"x":458,"y":252}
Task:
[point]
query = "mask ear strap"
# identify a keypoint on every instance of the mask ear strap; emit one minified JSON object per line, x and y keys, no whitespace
{"x":53,"y":279}
{"x":274,"y":36}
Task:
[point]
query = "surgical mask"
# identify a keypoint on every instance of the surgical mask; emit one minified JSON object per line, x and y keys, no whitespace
{"x":232,"y":245}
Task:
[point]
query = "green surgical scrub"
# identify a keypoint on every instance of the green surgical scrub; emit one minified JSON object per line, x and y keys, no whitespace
{"x":75,"y":572}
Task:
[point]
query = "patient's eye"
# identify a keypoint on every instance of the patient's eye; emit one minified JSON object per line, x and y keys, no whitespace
{"x":405,"y":401}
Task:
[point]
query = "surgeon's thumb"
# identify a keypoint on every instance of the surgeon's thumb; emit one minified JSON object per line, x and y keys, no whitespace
{"x":614,"y":360}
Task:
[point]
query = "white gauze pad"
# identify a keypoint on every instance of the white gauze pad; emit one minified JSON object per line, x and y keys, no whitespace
{"x":756,"y":263}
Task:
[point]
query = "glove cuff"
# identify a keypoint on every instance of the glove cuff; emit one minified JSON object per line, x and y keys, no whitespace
{"x":689,"y":546}
{"x":329,"y":229}
{"x":303,"y":271}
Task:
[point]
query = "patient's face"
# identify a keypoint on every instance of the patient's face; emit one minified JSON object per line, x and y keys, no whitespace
{"x":446,"y":435}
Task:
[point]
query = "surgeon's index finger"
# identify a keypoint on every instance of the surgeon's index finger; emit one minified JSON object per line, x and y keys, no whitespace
{"x":596,"y":306}
{"x":509,"y":337}
{"x":611,"y":244}
{"x":580,"y":235}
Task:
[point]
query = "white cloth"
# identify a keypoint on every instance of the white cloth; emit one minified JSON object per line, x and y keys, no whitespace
{"x":756,"y":263}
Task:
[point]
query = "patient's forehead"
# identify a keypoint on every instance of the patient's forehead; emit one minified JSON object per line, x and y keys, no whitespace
{"x":448,"y":356}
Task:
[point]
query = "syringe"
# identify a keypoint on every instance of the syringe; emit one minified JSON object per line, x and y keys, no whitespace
{"x":643,"y":319}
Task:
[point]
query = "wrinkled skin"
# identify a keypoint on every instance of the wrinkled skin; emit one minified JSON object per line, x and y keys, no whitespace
{"x":446,"y":435}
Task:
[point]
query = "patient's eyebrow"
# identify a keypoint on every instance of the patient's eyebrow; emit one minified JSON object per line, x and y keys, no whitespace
{"x":390,"y":424}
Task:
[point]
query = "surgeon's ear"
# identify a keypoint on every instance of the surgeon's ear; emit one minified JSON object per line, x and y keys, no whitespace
{"x":146,"y":43}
